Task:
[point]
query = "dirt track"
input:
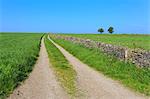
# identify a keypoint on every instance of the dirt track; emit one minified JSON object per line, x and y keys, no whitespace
{"x":95,"y":85}
{"x":41,"y":83}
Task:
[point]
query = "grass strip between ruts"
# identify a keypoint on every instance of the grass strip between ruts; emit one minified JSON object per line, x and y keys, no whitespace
{"x":63,"y":70}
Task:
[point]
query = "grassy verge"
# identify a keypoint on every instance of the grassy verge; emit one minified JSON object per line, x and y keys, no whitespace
{"x":18,"y":53}
{"x":128,"y":74}
{"x":64,"y":71}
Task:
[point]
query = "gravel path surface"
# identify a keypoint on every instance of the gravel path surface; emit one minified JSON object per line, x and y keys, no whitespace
{"x":42,"y":83}
{"x":94,"y":84}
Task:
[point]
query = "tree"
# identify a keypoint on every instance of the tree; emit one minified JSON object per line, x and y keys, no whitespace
{"x":111,"y":30}
{"x":101,"y":30}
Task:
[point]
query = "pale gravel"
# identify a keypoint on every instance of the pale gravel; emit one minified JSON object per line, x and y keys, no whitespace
{"x":95,"y":85}
{"x":42,"y":83}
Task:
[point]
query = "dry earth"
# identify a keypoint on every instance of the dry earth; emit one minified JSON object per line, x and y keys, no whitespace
{"x":42,"y":83}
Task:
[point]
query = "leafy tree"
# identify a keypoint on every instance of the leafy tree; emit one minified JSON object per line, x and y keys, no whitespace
{"x":111,"y":30}
{"x":101,"y":30}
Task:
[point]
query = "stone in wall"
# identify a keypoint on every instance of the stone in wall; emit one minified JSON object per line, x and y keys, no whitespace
{"x":140,"y":58}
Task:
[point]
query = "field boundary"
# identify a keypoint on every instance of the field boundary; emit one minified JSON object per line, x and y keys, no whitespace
{"x":139,"y":57}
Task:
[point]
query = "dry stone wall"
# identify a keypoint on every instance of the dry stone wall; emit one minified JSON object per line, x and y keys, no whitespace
{"x":138,"y":57}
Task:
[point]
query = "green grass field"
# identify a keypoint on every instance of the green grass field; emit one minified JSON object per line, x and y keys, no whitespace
{"x":63,"y":70}
{"x":18,"y":53}
{"x":125,"y":40}
{"x":128,"y":74}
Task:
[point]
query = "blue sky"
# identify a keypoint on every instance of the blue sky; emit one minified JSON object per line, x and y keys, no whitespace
{"x":75,"y":16}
